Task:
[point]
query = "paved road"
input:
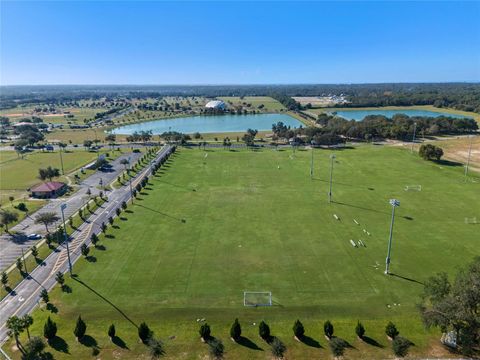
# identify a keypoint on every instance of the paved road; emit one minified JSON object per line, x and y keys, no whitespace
{"x":11,"y":246}
{"x":25,"y":297}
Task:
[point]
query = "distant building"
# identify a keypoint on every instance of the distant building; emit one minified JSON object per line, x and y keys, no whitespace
{"x":48,"y":190}
{"x":215,"y":104}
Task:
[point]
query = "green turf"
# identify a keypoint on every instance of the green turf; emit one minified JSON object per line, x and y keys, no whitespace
{"x":256,"y":221}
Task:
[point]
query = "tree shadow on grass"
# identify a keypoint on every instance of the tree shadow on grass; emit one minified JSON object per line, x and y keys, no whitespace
{"x":373,"y":342}
{"x":91,"y":259}
{"x":123,"y":218}
{"x":129,"y":211}
{"x":115,"y":226}
{"x":106,"y":300}
{"x":88,"y":341}
{"x":110,"y":236}
{"x":248,"y":343}
{"x":59,"y":344}
{"x":66,"y":289}
{"x":307,"y":340}
{"x":52,"y":308}
{"x":101,"y":247}
{"x":444,"y":162}
{"x":119,"y":342}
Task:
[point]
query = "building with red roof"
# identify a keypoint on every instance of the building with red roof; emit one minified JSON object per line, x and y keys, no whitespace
{"x":49,"y":189}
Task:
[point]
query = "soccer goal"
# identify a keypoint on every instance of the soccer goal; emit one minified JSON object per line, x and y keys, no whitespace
{"x":472,"y":220}
{"x":413,"y":188}
{"x":257,"y":298}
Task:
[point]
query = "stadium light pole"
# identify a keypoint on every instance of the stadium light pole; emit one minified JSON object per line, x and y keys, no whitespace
{"x":63,"y":207}
{"x":468,"y":158}
{"x":311,"y":165}
{"x":413,"y":139}
{"x":394,"y":204}
{"x":130,"y":179}
{"x":332,"y":158}
{"x":24,"y":262}
{"x":61,"y":158}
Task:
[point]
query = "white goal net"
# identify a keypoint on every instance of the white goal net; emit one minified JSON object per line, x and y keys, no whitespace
{"x":257,"y":298}
{"x":413,"y":188}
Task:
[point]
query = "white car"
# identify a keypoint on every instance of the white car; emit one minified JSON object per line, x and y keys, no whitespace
{"x":34,"y":237}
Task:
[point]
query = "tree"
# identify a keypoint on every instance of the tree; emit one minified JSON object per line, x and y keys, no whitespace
{"x":236,"y":330}
{"x":94,"y":239}
{"x":430,"y":152}
{"x":80,"y":329}
{"x":328,"y":329}
{"x":87,"y":144}
{"x":27,"y":321}
{"x":124,"y":205}
{"x":204,"y":332}
{"x":391,"y":330}
{"x":85,"y":250}
{"x":400,"y":346}
{"x":144,"y":332}
{"x":7,"y":217}
{"x":50,"y":329}
{"x":60,"y":278}
{"x":34,"y":349}
{"x":216,"y":348}
{"x":4,"y":279}
{"x":19,"y":265}
{"x":103,"y":226}
{"x":278,"y":348}
{"x":110,"y":220}
{"x":118,"y":211}
{"x":264,"y":331}
{"x":47,"y":218}
{"x":111,"y":331}
{"x":298,"y":329}
{"x":44,"y":296}
{"x":15,"y":327}
{"x":454,"y":306}
{"x":337,"y":346}
{"x":48,"y":173}
{"x":360,"y":330}
{"x":11,"y":198}
{"x":34,"y":251}
{"x":155,"y":348}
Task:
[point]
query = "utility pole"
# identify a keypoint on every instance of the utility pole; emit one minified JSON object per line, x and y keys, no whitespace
{"x":24,"y":262}
{"x":63,"y":207}
{"x":468,"y":158}
{"x":414,"y":131}
{"x":61,"y":159}
{"x":394,"y":204}
{"x":332,"y":158}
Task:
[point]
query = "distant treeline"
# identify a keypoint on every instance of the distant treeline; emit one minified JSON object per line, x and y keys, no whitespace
{"x":333,"y":129}
{"x":461,"y":96}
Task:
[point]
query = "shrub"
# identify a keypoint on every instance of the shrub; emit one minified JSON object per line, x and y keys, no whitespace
{"x":278,"y":348}
{"x":34,"y":349}
{"x":118,"y":211}
{"x":22,"y":207}
{"x":264,"y":331}
{"x":144,"y":332}
{"x":235,"y":330}
{"x":50,"y":329}
{"x":328,"y":329}
{"x":391,"y":330}
{"x":360,"y":330}
{"x":111,"y":331}
{"x":85,"y":250}
{"x":337,"y":345}
{"x":298,"y":329}
{"x":60,"y":278}
{"x":430,"y":152}
{"x":80,"y":328}
{"x":34,"y":251}
{"x":94,"y":239}
{"x":216,"y":348}
{"x":204,"y":331}
{"x":44,"y":296}
{"x":400,"y":346}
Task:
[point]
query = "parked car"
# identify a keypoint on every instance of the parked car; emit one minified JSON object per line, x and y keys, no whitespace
{"x":34,"y":237}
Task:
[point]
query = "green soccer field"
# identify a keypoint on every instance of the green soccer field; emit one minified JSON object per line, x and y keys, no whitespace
{"x":212,"y":224}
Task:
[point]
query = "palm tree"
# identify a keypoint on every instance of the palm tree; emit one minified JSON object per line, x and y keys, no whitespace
{"x":46,"y":219}
{"x":27,"y":322}
{"x":15,"y":328}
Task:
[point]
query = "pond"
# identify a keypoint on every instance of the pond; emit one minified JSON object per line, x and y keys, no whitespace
{"x":210,"y":124}
{"x":360,"y":114}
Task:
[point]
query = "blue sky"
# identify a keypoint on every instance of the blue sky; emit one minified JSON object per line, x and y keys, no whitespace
{"x":238,"y":42}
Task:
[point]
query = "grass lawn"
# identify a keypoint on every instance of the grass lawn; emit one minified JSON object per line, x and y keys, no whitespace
{"x":32,"y":206}
{"x":20,"y":174}
{"x":207,"y":228}
{"x":269,"y":103}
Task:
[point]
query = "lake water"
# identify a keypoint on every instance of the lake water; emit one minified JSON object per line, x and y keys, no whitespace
{"x":210,"y":124}
{"x":360,"y":114}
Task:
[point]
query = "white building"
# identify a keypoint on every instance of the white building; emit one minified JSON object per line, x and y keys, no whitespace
{"x":215,"y":104}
